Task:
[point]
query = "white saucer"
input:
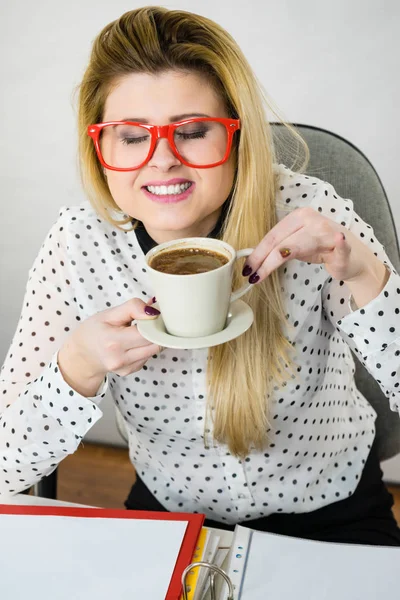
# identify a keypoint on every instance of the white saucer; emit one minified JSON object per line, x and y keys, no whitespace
{"x":239,"y":319}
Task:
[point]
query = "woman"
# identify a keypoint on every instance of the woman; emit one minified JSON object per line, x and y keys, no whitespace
{"x":269,"y":429}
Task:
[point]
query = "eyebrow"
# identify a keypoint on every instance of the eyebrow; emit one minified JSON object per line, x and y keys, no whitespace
{"x":171,"y":119}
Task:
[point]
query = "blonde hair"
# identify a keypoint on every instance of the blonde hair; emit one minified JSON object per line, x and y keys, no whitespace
{"x":152,"y":39}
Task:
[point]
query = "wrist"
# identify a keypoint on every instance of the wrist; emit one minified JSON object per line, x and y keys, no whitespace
{"x":369,"y":284}
{"x":77,"y":372}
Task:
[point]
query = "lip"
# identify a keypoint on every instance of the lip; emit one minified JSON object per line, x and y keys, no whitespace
{"x":170,"y":182}
{"x":170,"y":198}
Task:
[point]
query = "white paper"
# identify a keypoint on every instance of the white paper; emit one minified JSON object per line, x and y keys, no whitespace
{"x":66,"y":558}
{"x":289,"y":568}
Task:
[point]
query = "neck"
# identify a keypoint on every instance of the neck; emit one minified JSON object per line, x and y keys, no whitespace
{"x":202,"y":229}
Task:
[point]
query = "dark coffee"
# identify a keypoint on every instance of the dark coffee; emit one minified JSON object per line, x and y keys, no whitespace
{"x":187,"y":261}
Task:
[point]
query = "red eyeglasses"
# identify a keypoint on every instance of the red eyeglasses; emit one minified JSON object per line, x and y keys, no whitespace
{"x":201,"y":142}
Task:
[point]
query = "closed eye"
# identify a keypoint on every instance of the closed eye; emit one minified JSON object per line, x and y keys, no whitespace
{"x":191,"y":136}
{"x":133,"y":140}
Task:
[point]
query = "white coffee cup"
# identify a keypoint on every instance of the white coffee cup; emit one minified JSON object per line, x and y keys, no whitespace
{"x":196,"y":305}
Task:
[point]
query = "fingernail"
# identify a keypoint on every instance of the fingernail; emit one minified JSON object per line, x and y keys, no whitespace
{"x":154,"y":299}
{"x":149,"y":310}
{"x":247,"y":270}
{"x":344,"y":237}
{"x":285,"y":252}
{"x":254,"y":278}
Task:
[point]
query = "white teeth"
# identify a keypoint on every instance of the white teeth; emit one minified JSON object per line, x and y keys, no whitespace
{"x":164,"y":190}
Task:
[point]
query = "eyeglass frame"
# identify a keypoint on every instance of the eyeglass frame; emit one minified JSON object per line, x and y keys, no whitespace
{"x":163,"y":131}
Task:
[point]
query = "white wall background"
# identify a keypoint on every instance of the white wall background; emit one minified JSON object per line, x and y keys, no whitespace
{"x":330,"y":64}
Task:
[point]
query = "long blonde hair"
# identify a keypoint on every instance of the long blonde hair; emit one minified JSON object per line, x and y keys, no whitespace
{"x":153,"y":39}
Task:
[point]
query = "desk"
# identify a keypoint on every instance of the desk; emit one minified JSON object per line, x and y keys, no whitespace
{"x":25,"y":499}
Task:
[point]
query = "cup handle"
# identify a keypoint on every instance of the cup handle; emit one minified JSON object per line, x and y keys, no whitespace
{"x":242,"y":290}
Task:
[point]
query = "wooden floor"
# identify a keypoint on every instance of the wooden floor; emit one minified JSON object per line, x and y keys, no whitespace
{"x":96,"y":475}
{"x":102,"y":476}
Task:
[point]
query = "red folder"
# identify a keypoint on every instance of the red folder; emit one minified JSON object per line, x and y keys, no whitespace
{"x":195,"y":523}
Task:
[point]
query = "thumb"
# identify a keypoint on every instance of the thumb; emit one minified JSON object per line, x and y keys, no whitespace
{"x":127,"y":312}
{"x":342,"y":248}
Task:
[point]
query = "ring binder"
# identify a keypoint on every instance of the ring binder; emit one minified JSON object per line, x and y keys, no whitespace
{"x":214,"y":569}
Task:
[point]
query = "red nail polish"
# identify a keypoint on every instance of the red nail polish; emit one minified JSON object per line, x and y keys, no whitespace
{"x":153,"y":300}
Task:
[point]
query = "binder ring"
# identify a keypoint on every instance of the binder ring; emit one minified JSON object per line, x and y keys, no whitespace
{"x":214,"y":570}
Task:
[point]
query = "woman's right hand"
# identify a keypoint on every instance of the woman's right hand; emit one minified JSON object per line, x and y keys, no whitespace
{"x":106,"y":342}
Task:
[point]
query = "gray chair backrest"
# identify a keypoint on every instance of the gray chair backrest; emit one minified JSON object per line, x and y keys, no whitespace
{"x":337,"y":161}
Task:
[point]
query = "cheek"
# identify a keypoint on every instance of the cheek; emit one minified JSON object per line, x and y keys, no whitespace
{"x":223,"y":181}
{"x":121,"y":186}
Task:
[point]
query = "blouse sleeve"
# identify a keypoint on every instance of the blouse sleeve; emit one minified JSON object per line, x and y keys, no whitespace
{"x":42,"y":419}
{"x":373,"y":331}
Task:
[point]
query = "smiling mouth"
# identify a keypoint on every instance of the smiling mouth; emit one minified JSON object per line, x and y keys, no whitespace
{"x":168,"y":190}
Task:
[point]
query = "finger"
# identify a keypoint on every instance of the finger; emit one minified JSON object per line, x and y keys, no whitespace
{"x":142,"y":353}
{"x":130,"y":338}
{"x":125,"y":313}
{"x":342,"y":248}
{"x":131,"y":368}
{"x":293,"y":222}
{"x":302,"y":246}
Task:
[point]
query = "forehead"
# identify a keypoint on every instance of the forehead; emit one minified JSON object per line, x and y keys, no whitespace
{"x":155,"y":98}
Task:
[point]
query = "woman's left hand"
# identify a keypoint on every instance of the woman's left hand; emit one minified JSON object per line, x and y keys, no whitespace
{"x":306,"y":235}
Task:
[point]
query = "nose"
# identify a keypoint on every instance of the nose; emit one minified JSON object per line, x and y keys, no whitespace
{"x":163,"y":157}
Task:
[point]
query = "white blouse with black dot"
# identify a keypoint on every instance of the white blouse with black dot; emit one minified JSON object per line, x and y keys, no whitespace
{"x":322,"y":426}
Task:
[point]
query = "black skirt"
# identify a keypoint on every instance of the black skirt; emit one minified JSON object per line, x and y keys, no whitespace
{"x":363,"y":518}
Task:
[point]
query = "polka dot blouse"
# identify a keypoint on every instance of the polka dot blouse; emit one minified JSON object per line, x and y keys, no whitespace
{"x":322,"y":426}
